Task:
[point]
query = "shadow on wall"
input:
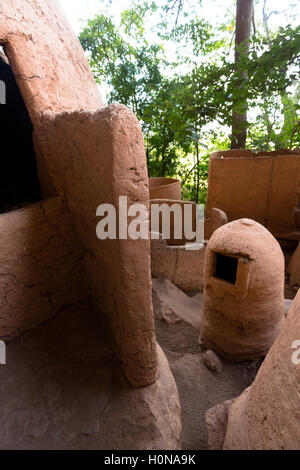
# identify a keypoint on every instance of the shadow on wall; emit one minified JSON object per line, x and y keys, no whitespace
{"x":19,"y":183}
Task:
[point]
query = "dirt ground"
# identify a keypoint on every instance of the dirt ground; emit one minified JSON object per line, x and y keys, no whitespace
{"x":55,"y":371}
{"x":199,"y":388}
{"x":63,"y":388}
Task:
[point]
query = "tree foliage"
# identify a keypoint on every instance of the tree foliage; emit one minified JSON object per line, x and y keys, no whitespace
{"x":176,"y":71}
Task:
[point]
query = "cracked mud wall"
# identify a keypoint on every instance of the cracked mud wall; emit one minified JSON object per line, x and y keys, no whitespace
{"x":42,"y":267}
{"x":87,"y":156}
{"x":49,"y":65}
{"x":47,"y":58}
{"x":181,"y":266}
{"x":102,"y":157}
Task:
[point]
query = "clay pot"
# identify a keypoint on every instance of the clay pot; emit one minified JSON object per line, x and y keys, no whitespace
{"x":165,"y":188}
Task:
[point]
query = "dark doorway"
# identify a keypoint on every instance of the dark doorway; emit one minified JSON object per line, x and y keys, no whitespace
{"x":226,"y":268}
{"x":19,"y":184}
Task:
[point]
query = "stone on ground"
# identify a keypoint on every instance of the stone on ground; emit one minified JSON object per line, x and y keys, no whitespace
{"x":172,"y":305}
{"x":212,"y":361}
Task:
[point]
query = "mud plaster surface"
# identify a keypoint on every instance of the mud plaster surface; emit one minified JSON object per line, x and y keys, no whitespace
{"x":63,"y":388}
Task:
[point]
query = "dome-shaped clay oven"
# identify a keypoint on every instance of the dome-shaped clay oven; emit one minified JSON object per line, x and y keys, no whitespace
{"x":243,"y":302}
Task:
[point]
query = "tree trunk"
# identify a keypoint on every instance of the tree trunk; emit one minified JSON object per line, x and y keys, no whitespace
{"x":198,"y":182}
{"x":163,"y":169}
{"x":147,"y":154}
{"x":244,"y":14}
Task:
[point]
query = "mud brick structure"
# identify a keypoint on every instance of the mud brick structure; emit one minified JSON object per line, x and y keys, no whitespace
{"x":165,"y":188}
{"x":243,"y":301}
{"x":263,"y":186}
{"x":85,"y":155}
{"x":266,"y":416}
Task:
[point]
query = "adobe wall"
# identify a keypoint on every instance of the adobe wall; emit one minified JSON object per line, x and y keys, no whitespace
{"x":102,"y":157}
{"x":42,"y":48}
{"x":185,"y":206}
{"x":266,"y":416}
{"x":182,"y":267}
{"x":86,"y":155}
{"x":42,"y":266}
{"x":49,"y":64}
{"x":262,"y":186}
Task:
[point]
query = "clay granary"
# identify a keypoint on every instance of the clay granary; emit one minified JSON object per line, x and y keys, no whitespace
{"x":262,"y":186}
{"x":243,"y":300}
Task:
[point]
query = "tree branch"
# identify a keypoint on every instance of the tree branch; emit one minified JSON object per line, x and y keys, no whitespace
{"x":253,"y":23}
{"x":179,"y":8}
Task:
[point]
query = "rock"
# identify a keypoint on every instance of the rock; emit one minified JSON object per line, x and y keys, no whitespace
{"x":212,"y":362}
{"x":216,"y":422}
{"x":172,"y":305}
{"x":201,"y":344}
